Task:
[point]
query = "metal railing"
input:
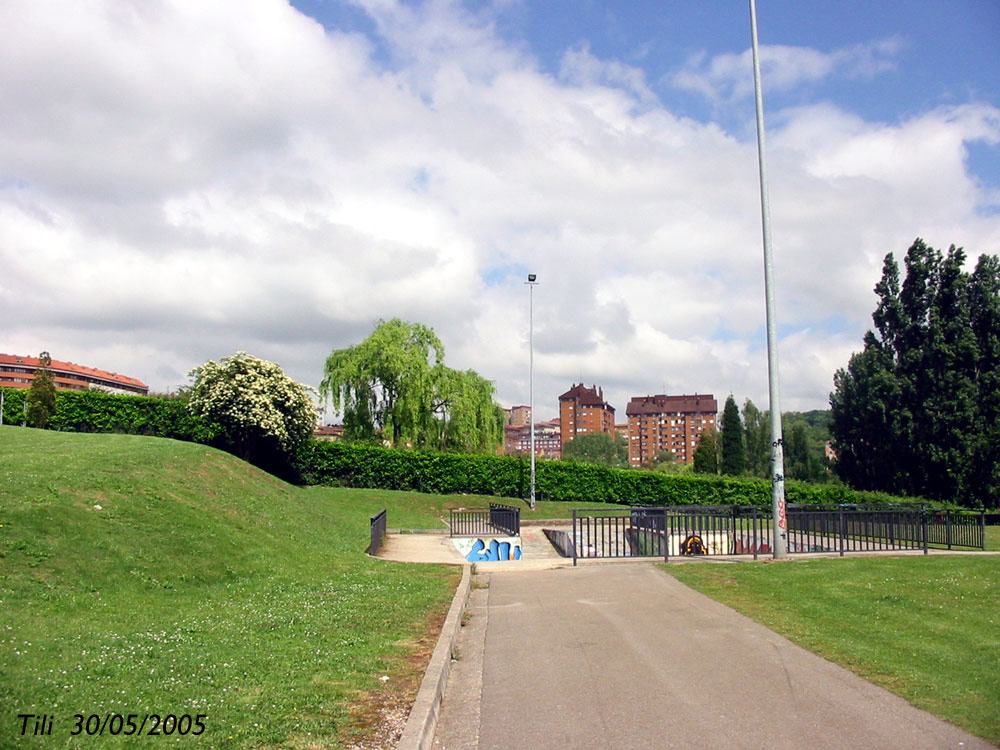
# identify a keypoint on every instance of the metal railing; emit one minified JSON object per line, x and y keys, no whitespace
{"x":699,"y":530}
{"x":378,"y":532}
{"x":856,"y":529}
{"x":957,"y":529}
{"x":497,"y":519}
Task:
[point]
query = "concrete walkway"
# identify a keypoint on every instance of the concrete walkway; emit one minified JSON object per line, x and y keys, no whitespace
{"x":608,"y":657}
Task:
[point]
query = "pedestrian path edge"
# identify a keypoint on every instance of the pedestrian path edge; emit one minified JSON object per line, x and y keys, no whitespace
{"x":418,"y":734}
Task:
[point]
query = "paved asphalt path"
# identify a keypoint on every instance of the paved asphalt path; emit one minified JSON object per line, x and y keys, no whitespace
{"x":608,"y":657}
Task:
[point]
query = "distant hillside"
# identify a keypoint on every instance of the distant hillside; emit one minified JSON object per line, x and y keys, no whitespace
{"x":142,"y":574}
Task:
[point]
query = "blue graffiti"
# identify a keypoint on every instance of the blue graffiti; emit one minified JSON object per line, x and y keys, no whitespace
{"x":498,"y":551}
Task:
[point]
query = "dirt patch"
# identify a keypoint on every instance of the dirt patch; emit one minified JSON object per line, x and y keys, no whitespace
{"x":378,"y":719}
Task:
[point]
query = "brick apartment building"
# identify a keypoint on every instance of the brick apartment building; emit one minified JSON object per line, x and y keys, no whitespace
{"x":583,"y":411}
{"x":518,"y":416}
{"x":668,"y":423}
{"x":18,"y":372}
{"x":517,"y":439}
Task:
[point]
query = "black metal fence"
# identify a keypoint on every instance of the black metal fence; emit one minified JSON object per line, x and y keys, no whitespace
{"x":497,"y":519}
{"x":700,"y":530}
{"x":957,"y":530}
{"x":378,"y":532}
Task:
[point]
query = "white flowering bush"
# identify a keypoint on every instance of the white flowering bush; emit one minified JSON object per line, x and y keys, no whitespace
{"x":257,"y":406}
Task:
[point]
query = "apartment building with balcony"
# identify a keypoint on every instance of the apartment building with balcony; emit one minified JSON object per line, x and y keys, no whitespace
{"x":18,"y":372}
{"x":668,"y":423}
{"x":583,"y":411}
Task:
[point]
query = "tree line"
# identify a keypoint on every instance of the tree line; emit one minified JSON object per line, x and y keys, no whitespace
{"x":742,"y":445}
{"x":917,"y":410}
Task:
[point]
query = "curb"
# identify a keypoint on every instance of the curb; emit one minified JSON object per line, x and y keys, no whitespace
{"x":418,"y":734}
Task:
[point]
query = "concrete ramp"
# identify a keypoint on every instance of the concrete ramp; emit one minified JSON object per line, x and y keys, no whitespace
{"x":422,"y":547}
{"x":437,"y":547}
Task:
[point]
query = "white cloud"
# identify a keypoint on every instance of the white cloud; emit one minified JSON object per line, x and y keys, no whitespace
{"x":179,"y":181}
{"x":729,"y":76}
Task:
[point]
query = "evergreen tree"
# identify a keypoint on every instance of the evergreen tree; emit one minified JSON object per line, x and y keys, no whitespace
{"x":862,"y":404}
{"x":801,"y":462}
{"x":42,"y":393}
{"x":915,"y":412}
{"x":706,"y":455}
{"x":757,"y":440}
{"x":734,"y":460}
{"x":984,"y":313}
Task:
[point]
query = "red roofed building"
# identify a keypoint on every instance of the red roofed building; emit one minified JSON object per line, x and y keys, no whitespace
{"x":583,"y":411}
{"x":18,"y":372}
{"x":668,"y":423}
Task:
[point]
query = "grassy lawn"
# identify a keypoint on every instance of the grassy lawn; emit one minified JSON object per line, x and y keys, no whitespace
{"x":140,"y":576}
{"x":926,"y":628}
{"x":993,"y":538}
{"x":412,"y":510}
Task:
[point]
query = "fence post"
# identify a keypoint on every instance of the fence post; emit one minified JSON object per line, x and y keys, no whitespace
{"x":982,"y":529}
{"x":754,"y":538}
{"x":843,"y":530}
{"x":378,"y":524}
{"x":666,"y":538}
{"x":573,"y":541}
{"x":923,"y":514}
{"x":948,"y":528}
{"x":732,"y":532}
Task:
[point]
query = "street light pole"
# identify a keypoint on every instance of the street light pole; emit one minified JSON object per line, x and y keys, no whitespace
{"x":531,"y":284}
{"x":779,"y":519}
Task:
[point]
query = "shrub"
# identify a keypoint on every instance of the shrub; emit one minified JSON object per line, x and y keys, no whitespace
{"x":96,"y":411}
{"x":356,"y":465}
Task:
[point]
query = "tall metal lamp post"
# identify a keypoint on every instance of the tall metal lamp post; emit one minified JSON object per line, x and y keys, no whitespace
{"x":531,"y":284}
{"x":779,"y":519}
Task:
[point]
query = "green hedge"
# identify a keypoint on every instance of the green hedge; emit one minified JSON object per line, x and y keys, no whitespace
{"x":94,"y":411}
{"x":354,"y":465}
{"x":13,"y":404}
{"x":358,"y":465}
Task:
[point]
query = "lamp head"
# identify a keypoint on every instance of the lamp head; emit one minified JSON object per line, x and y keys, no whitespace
{"x":531,"y":278}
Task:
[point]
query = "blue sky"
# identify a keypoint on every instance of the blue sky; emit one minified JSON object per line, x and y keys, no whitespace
{"x":934,"y":54}
{"x":182,"y":181}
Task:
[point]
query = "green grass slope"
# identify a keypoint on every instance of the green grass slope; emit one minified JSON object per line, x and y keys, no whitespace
{"x":147,"y":576}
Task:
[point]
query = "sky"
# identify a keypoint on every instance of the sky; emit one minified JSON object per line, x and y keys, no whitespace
{"x":184,"y":179}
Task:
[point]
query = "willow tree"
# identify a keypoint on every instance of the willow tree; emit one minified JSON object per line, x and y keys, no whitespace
{"x":395,"y":387}
{"x":468,"y":419}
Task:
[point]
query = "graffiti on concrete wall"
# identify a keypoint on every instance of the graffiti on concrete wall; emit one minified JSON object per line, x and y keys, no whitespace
{"x":489,"y":549}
